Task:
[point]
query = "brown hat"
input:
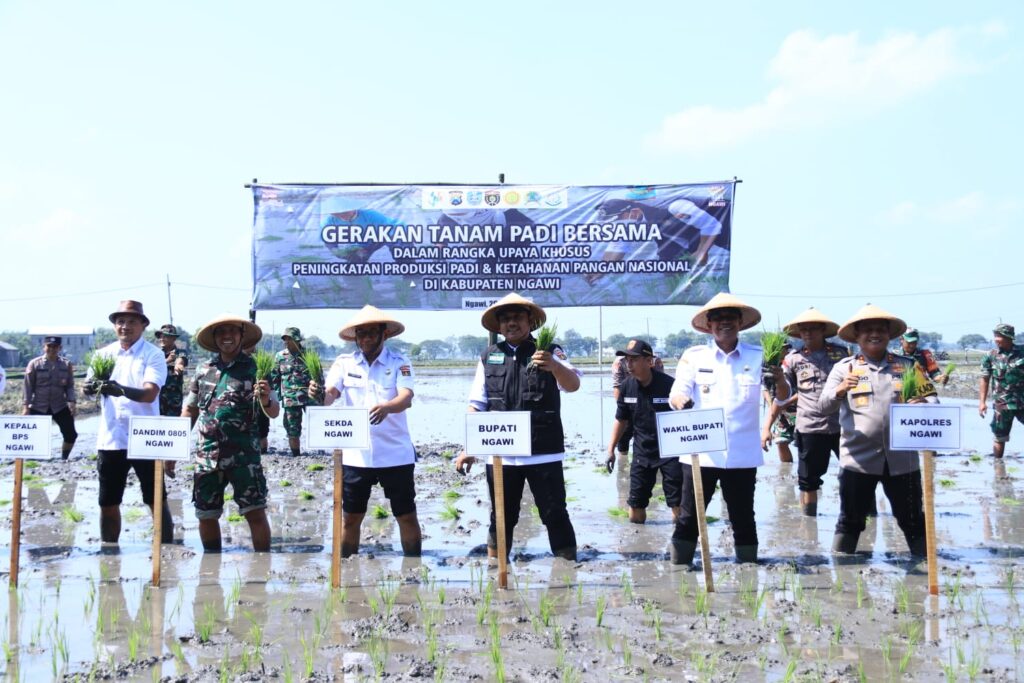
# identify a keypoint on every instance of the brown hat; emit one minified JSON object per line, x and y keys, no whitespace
{"x":490,"y":317}
{"x":871,"y":312}
{"x":369,"y":315}
{"x":251,"y":333}
{"x":811,"y":315}
{"x":749,"y":316}
{"x":129,"y":307}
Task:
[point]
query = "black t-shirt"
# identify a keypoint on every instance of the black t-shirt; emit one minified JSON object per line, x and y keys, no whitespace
{"x":638,"y":405}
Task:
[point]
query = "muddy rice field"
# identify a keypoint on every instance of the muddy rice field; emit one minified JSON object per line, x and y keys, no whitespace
{"x":85,"y":611}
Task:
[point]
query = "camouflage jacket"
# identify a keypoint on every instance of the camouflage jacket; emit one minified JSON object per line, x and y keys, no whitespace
{"x":1006,"y":368}
{"x":290,"y":379}
{"x":227,"y":411}
{"x":172,"y":392}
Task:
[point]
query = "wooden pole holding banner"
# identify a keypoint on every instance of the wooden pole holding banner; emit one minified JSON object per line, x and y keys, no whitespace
{"x":702,"y":523}
{"x":499,"y":521}
{"x":929,"y":521}
{"x":158,"y":517}
{"x":339,"y":478}
{"x":19,"y":470}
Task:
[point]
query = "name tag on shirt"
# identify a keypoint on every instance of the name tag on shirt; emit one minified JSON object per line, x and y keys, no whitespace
{"x":660,"y":400}
{"x":496,"y":359}
{"x":629,"y":399}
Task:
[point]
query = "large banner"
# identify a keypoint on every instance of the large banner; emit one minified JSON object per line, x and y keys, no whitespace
{"x":461,"y":247}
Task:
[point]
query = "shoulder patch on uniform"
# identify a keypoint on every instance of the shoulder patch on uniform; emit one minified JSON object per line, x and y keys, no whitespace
{"x":560,"y":354}
{"x":405,"y":370}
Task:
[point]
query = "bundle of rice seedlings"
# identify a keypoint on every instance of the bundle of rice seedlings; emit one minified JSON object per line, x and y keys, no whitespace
{"x":949,"y":370}
{"x":100,"y":366}
{"x":545,"y":338}
{"x":772,"y":346}
{"x":315,"y":367}
{"x":264,"y":363}
{"x":911,"y":384}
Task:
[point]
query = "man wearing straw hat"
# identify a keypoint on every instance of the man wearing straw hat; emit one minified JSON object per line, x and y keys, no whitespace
{"x":132,"y":389}
{"x":223,"y":397}
{"x":290,"y":379}
{"x":724,"y":374}
{"x":172,"y":394}
{"x":515,"y":375}
{"x":806,"y":369}
{"x":1005,"y":365}
{"x":381,"y":379}
{"x":861,"y":388}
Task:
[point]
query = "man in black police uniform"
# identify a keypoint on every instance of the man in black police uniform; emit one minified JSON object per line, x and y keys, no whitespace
{"x":50,"y":390}
{"x":644,"y":393}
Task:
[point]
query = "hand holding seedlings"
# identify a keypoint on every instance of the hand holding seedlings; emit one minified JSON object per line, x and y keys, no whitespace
{"x":464,"y":462}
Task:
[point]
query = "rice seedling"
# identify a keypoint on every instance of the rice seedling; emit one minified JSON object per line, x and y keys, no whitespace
{"x":911,"y":385}
{"x":579,"y":594}
{"x":307,"y":656}
{"x":204,"y":629}
{"x":100,"y":366}
{"x":627,"y":587}
{"x":314,"y":365}
{"x":546,"y":608}
{"x":315,"y":467}
{"x":285,"y":482}
{"x":773,"y":343}
{"x":380,"y":512}
{"x":387,"y":589}
{"x":71,"y":515}
{"x":134,"y":637}
{"x":545,"y":338}
{"x":440,"y":595}
{"x":449,"y":512}
{"x":179,"y":654}
{"x":837,"y":633}
{"x":495,"y":652}
{"x":451,"y":495}
{"x":264,"y":364}
{"x":602,"y":601}
{"x":702,"y":604}
{"x":286,"y":669}
{"x":901,"y":597}
{"x":234,"y":517}
{"x":790,"y":671}
{"x":627,"y":654}
{"x":886,"y":649}
{"x":975,"y":458}
{"x":448,"y":454}
{"x":949,"y":370}
{"x":133,"y":514}
{"x":306,"y":495}
{"x":31,"y":464}
{"x":860,"y":591}
{"x":947,"y":483}
{"x":618,"y":513}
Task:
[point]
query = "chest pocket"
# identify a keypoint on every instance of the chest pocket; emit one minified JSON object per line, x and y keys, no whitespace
{"x":355,"y":382}
{"x":747,"y":387}
{"x":705,"y":378}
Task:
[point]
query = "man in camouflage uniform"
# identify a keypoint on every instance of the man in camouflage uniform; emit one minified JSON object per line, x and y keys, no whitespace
{"x":172,"y":393}
{"x":780,"y":420}
{"x":50,"y":390}
{"x":224,"y":397}
{"x":930,"y":374}
{"x":1004,"y":364}
{"x":290,"y":379}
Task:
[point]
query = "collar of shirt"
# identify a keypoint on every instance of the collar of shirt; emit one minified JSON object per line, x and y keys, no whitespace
{"x":382,"y":357}
{"x":132,"y":350}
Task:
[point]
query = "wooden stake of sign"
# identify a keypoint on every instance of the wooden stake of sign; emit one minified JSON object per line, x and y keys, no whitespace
{"x":929,"y":521}
{"x":19,"y":470}
{"x":702,"y":523}
{"x":499,"y":521}
{"x":339,"y":478}
{"x":158,"y":517}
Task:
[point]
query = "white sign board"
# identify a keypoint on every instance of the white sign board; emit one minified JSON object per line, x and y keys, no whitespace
{"x":159,"y":438}
{"x":338,"y":427}
{"x":682,"y":432}
{"x":498,"y":433}
{"x":25,"y":436}
{"x":924,"y":427}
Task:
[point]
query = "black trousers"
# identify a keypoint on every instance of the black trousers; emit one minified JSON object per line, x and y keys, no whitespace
{"x":547,"y":484}
{"x":738,"y":491}
{"x":65,"y":420}
{"x":815,"y":450}
{"x":856,"y":499}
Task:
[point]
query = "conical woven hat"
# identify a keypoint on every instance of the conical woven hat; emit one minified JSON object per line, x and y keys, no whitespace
{"x":251,"y":333}
{"x":749,"y":316}
{"x":369,"y":315}
{"x":871,"y":312}
{"x":811,"y":315}
{"x":490,"y":317}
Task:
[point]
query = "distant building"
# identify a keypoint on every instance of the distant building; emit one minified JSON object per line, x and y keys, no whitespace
{"x":10,"y":356}
{"x":76,"y":340}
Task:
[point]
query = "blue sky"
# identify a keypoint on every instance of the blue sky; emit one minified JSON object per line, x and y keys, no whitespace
{"x":878,"y":144}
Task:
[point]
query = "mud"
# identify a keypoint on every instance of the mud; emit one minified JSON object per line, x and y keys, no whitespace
{"x":622,"y":612}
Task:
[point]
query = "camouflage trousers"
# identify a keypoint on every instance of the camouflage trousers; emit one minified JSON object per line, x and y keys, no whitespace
{"x":248,"y":484}
{"x":784,"y":429}
{"x":1002,"y":420}
{"x":293,"y":420}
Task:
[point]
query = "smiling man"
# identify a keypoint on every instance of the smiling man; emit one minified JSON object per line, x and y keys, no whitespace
{"x":861,"y":388}
{"x":379,"y":379}
{"x":516,"y":375}
{"x":50,"y":390}
{"x":133,"y":389}
{"x":724,"y":374}
{"x":223,"y":397}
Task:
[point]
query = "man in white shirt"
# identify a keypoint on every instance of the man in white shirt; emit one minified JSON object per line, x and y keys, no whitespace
{"x":380,"y":379}
{"x":724,"y":374}
{"x":132,"y":389}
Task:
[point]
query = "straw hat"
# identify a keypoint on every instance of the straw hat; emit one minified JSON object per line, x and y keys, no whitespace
{"x":749,"y":316}
{"x":490,"y":317}
{"x":871,"y":312}
{"x":251,"y":333}
{"x":811,"y":315}
{"x":368,"y":315}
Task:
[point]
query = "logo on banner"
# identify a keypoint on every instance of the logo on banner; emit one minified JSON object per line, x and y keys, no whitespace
{"x":511,"y":197}
{"x":492,"y":197}
{"x":532,"y":198}
{"x":474,"y":197}
{"x":434,"y":199}
{"x":455,"y":197}
{"x":717,"y":196}
{"x":553,"y":199}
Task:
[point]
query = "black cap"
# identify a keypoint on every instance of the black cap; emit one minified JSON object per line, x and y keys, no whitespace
{"x":636,"y":347}
{"x":52,"y":340}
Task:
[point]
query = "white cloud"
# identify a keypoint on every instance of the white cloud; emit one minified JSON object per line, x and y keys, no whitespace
{"x":58,"y":227}
{"x":825,"y":80}
{"x":985,"y":215}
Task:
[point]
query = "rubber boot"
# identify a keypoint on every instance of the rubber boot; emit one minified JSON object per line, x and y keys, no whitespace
{"x":681,"y":552}
{"x":567,"y":553}
{"x":746,"y":554}
{"x":918,"y":546}
{"x":845,"y":543}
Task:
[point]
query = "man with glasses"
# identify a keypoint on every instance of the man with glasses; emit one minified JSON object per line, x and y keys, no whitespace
{"x":380,"y":379}
{"x":50,"y":390}
{"x":132,"y":389}
{"x":724,"y":374}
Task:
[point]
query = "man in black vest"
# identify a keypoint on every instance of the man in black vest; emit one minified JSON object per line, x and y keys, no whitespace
{"x":515,"y":375}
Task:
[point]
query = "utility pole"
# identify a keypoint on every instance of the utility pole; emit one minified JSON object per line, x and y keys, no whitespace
{"x":170,"y":312}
